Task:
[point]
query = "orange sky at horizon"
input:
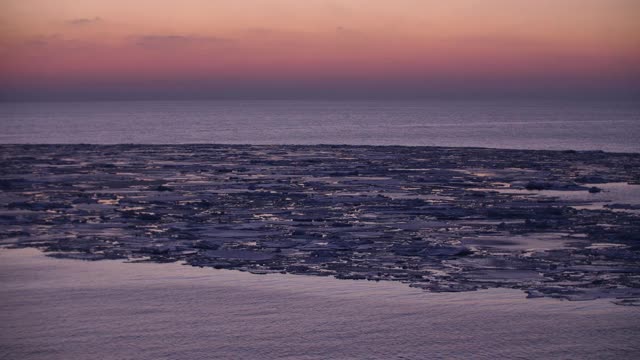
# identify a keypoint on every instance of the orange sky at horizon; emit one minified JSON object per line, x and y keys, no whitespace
{"x":91,"y":44}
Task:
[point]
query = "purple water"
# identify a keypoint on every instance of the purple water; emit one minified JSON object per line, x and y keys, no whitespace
{"x":69,"y":309}
{"x":606,"y":126}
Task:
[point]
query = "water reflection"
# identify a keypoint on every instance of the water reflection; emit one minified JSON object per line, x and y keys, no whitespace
{"x":66,"y":309}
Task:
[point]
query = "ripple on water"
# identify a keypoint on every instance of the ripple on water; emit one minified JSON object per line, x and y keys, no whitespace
{"x":110,"y":310}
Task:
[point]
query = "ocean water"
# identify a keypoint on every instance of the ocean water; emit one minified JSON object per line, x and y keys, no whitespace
{"x":64,"y":309}
{"x":609,"y":126}
{"x":69,"y":309}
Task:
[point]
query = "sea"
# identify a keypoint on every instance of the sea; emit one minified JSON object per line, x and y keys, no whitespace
{"x":75,"y":310}
{"x":70,"y":309}
{"x":546,"y":125}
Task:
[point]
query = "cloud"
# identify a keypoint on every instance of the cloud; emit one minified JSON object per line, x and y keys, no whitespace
{"x":345,"y":31}
{"x":42,"y":40}
{"x":84,"y":21}
{"x":152,"y":41}
{"x":279,"y":36}
{"x":497,"y":41}
{"x":55,"y":41}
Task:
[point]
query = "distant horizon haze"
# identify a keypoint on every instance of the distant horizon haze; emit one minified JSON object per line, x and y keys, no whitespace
{"x":545,"y":125}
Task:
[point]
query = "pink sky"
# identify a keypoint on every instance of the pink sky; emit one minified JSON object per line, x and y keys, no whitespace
{"x":410,"y":47}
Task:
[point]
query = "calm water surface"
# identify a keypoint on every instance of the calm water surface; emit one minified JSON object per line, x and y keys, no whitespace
{"x":606,"y":126}
{"x":66,"y":309}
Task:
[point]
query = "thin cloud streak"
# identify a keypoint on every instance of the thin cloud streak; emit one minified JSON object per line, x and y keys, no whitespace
{"x":84,"y":21}
{"x":152,"y":41}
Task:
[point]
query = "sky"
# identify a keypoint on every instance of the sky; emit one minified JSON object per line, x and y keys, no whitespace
{"x":146,"y":49}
